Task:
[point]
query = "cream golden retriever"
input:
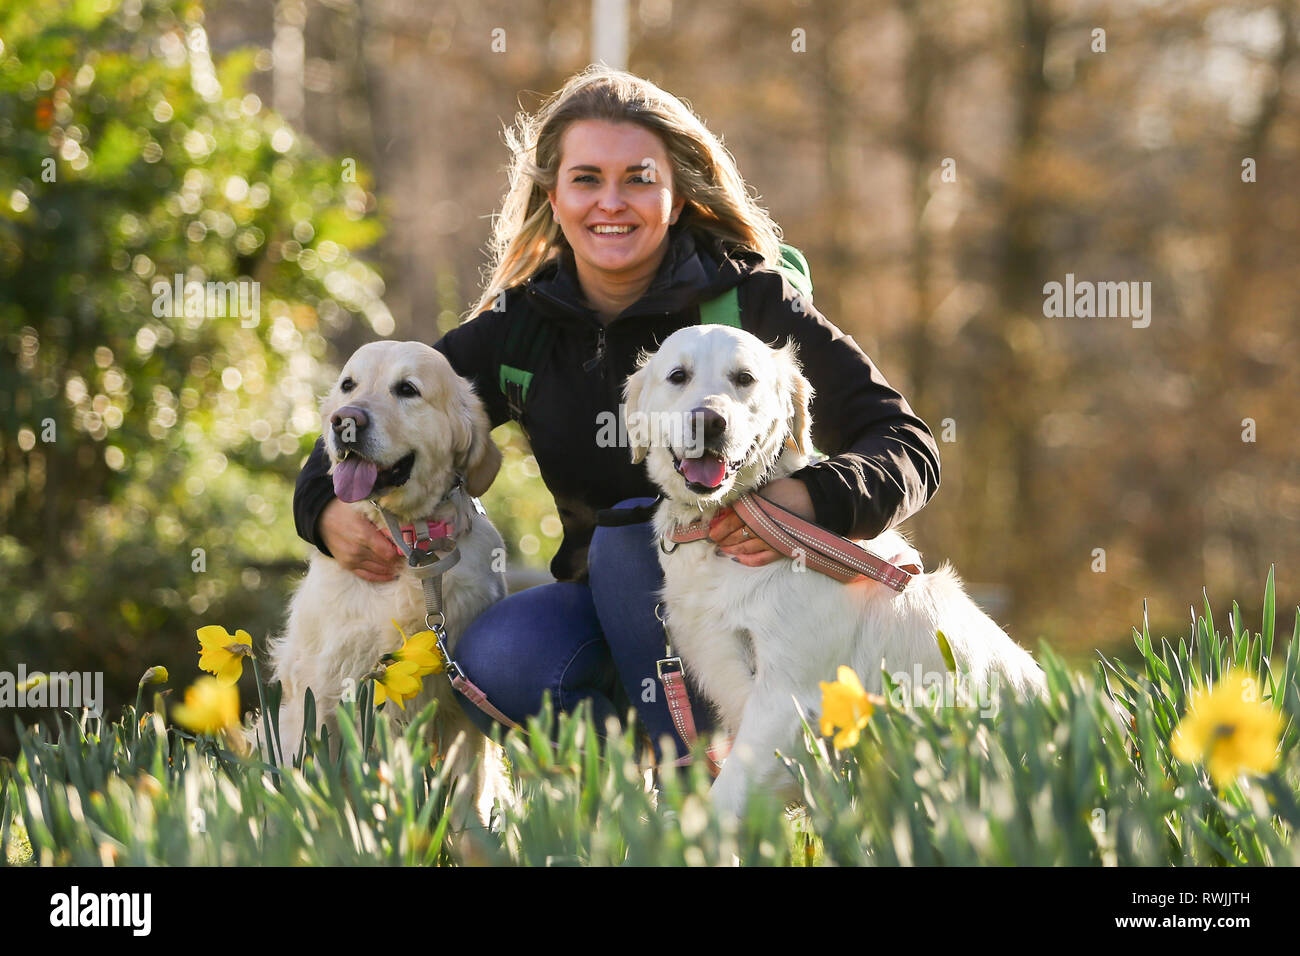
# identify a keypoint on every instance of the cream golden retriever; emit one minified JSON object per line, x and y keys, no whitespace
{"x":716,"y":413}
{"x":402,"y":430}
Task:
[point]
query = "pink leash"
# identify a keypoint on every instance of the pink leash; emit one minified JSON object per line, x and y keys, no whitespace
{"x":419,"y":542}
{"x":821,"y":550}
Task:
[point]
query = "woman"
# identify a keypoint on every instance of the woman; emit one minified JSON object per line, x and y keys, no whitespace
{"x":624,"y":213}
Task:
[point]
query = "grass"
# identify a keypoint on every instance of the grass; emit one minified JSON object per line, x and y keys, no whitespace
{"x":1083,"y":777}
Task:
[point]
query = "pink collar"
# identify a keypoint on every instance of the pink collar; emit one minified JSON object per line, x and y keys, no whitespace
{"x":432,"y":535}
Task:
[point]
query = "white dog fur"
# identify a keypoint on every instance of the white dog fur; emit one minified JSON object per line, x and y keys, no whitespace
{"x":340,"y":625}
{"x":759,"y":640}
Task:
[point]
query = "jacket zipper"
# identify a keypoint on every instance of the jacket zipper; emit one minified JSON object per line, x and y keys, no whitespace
{"x":595,"y":360}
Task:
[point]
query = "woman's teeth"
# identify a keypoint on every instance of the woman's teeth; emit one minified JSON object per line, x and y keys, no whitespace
{"x":612,"y":230}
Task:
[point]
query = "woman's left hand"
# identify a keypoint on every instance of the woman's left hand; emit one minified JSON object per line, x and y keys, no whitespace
{"x":727,"y":531}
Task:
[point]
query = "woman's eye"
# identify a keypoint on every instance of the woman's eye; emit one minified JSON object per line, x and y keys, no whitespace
{"x":585,"y":177}
{"x":678,"y":376}
{"x":744,"y":378}
{"x":406,"y":390}
{"x":347,"y":385}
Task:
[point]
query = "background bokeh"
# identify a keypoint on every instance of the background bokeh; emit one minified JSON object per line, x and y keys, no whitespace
{"x":347,"y":155}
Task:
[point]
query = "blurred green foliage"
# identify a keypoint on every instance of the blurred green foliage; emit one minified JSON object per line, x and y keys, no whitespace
{"x":146,"y":460}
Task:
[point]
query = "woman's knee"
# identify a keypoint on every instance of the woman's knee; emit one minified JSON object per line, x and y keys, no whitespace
{"x":616,"y":542}
{"x":532,"y":642}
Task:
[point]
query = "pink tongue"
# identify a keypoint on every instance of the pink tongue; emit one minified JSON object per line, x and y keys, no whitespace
{"x":354,"y":478}
{"x":707,"y":470}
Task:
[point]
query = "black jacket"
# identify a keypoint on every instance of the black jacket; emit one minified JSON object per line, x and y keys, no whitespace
{"x":884,"y":464}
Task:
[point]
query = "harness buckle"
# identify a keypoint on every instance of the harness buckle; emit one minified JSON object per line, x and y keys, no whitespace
{"x":416,"y":559}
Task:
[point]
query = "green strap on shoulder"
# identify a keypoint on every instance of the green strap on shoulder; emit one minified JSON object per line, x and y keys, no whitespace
{"x":725,"y":309}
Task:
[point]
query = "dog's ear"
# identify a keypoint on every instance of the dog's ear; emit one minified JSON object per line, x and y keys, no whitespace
{"x":482,"y":458}
{"x":638,"y":436}
{"x":800,"y":391}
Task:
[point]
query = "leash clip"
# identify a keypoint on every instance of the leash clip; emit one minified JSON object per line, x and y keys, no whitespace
{"x":449,"y":666}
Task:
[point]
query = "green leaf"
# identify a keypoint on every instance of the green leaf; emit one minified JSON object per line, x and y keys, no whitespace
{"x":1270,"y":606}
{"x":946,"y":650}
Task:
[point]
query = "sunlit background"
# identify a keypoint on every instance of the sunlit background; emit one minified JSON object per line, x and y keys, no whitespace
{"x":347,"y":156}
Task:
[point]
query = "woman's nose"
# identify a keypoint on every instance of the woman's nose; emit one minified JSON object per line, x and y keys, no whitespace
{"x":611,"y":198}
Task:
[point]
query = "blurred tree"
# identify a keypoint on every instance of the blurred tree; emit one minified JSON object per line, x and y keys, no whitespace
{"x":148,"y":453}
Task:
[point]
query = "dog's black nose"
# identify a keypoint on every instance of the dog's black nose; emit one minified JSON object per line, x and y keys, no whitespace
{"x":349,"y":413}
{"x":709,"y":424}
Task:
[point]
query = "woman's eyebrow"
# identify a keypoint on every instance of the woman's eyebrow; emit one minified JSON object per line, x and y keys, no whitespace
{"x":635,"y":167}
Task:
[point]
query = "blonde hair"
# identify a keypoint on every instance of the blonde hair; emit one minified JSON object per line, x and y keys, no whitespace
{"x":525,"y":236}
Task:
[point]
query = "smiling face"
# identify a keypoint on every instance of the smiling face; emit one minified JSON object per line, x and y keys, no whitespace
{"x":400,"y":424}
{"x":614,"y":199}
{"x":713,"y":410}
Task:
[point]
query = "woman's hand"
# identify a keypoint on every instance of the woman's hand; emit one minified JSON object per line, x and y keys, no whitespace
{"x":726,"y":529}
{"x":357,"y":545}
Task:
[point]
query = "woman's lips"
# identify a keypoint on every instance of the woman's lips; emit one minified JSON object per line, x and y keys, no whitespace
{"x":612,"y":235}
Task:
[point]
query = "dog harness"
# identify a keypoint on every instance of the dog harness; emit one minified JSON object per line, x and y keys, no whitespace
{"x":796,"y":538}
{"x":421,"y":542}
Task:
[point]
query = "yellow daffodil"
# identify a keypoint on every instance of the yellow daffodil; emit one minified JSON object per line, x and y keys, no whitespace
{"x":399,"y":681}
{"x":845,"y":705}
{"x":221,"y":654}
{"x":210,"y":706}
{"x":422,"y":649}
{"x":33,"y":681}
{"x":1229,"y":729}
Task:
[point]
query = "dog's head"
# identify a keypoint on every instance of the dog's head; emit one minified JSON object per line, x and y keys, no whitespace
{"x":400,"y":424}
{"x":714,"y":410}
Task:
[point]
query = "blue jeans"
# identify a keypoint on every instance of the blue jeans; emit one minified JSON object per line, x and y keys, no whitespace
{"x":580,"y":641}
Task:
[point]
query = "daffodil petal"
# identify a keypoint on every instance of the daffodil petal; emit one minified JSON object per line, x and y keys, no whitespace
{"x":849,"y":678}
{"x":231,"y":670}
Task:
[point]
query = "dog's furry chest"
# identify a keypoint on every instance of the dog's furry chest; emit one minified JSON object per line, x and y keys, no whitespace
{"x":715,"y":624}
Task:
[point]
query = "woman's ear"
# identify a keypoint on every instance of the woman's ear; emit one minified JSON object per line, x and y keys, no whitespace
{"x":482,"y":458}
{"x":638,"y":436}
{"x":800,"y":391}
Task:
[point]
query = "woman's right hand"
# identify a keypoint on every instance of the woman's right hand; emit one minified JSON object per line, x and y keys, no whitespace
{"x":357,"y":544}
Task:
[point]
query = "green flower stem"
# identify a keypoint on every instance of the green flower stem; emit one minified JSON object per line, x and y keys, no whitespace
{"x":261,"y":699}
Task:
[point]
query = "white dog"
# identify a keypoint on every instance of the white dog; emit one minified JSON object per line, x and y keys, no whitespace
{"x":759,"y":640}
{"x":403,"y":431}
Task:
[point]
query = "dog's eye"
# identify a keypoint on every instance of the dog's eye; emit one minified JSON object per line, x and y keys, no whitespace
{"x":743,"y":378}
{"x":347,"y":385}
{"x":406,"y":390}
{"x":678,"y":376}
